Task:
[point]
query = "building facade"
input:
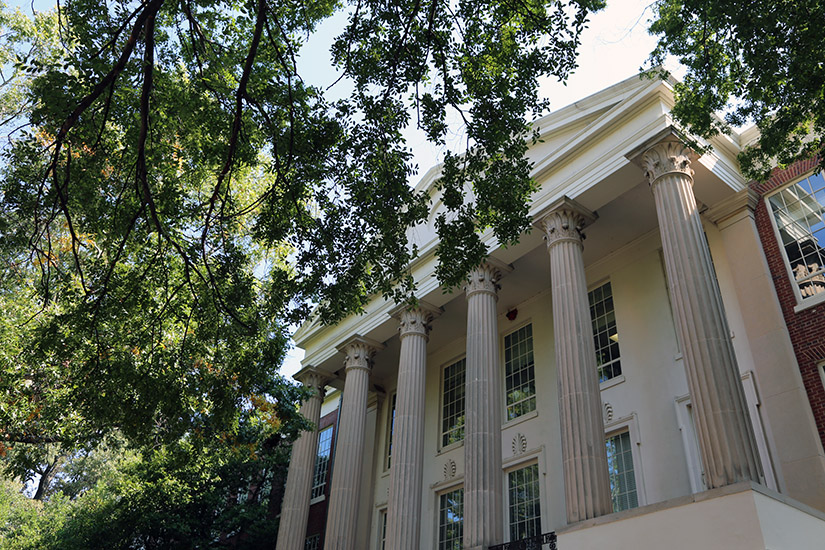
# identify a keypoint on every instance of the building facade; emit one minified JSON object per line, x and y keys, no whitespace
{"x":660,"y":383}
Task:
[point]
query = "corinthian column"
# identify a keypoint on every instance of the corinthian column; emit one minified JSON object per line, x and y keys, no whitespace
{"x":295,"y":508}
{"x":406,"y":473}
{"x":345,"y":491}
{"x":482,"y":430}
{"x":586,"y":482}
{"x":722,"y":424}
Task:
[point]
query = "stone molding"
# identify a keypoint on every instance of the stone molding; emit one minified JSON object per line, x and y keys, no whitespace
{"x":360,"y":352}
{"x":485,"y":278}
{"x":415,"y":319}
{"x":313,"y":379}
{"x":666,"y":158}
{"x":742,"y":202}
{"x":564,"y":221}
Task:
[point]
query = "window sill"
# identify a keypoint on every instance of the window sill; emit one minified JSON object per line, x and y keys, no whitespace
{"x":316,"y":500}
{"x":450,"y":447}
{"x":519,"y":419}
{"x":810,"y":302}
{"x":616,"y":380}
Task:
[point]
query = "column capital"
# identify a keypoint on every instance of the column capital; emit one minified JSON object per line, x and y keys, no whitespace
{"x":667,"y":157}
{"x":485,"y":277}
{"x":312,"y":378}
{"x":415,"y":319}
{"x":564,"y":220}
{"x":359,"y":351}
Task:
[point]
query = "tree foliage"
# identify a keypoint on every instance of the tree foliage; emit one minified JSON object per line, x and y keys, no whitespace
{"x":178,"y":196}
{"x":177,"y":496}
{"x":758,"y":62}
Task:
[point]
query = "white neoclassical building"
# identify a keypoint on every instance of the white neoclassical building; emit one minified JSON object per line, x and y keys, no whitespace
{"x":639,"y":389}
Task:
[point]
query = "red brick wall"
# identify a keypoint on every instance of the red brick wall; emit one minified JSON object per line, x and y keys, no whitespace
{"x":807,"y":328}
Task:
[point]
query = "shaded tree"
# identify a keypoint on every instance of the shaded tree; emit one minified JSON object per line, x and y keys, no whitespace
{"x":179,"y":196}
{"x":756,"y":62}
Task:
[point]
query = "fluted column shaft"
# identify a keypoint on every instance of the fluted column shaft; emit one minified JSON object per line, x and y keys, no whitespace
{"x":344,"y":498}
{"x":295,"y":507}
{"x":722,"y":424}
{"x":407,"y":469}
{"x":586,"y":481}
{"x":482,"y":432}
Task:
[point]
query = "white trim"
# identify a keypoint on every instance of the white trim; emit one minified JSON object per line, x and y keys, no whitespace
{"x":534,"y":459}
{"x":381,"y":511}
{"x":808,"y":302}
{"x":801,"y":303}
{"x":609,"y":383}
{"x":441,"y":447}
{"x":503,"y":372}
{"x":749,"y":385}
{"x":630,"y":424}
{"x":388,"y":432}
{"x":821,"y":368}
{"x":693,"y":458}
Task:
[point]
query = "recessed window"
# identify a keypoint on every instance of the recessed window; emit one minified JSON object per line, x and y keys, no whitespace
{"x":451,"y":520}
{"x":319,"y":477}
{"x":620,"y":468}
{"x":452,"y":403}
{"x":382,"y":535}
{"x":519,"y":372}
{"x":605,"y":334}
{"x":312,"y":542}
{"x":391,"y":429}
{"x":799,"y":216}
{"x":525,"y":511}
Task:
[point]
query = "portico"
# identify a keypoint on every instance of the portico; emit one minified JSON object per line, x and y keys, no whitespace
{"x":537,"y":424}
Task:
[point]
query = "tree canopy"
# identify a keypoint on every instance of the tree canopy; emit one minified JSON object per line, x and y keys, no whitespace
{"x":756,"y":62}
{"x":178,"y":196}
{"x":175,"y":198}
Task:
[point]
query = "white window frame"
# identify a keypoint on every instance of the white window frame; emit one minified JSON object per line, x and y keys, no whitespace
{"x":801,"y":302}
{"x":322,"y":496}
{"x":392,"y":403}
{"x":505,"y":412}
{"x":630,"y":424}
{"x":531,"y":461}
{"x":613,"y":380}
{"x":821,"y":368}
{"x":382,"y":529}
{"x":438,"y":495}
{"x":443,"y":368}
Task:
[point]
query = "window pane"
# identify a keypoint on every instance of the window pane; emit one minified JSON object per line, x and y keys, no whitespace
{"x":452,"y":406}
{"x":519,"y":372}
{"x":605,"y":334}
{"x":799,"y":211}
{"x":319,"y":478}
{"x":451,"y":520}
{"x":525,"y":510}
{"x":620,"y":469}
{"x":391,"y":429}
